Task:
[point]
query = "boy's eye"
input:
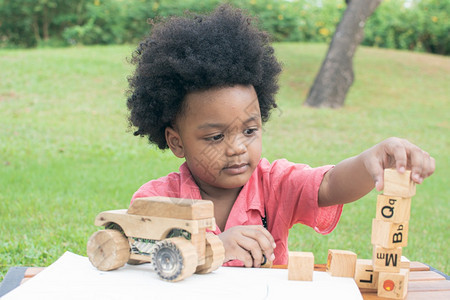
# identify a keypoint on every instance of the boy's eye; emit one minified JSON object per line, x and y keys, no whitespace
{"x":250,"y":131}
{"x":215,"y":138}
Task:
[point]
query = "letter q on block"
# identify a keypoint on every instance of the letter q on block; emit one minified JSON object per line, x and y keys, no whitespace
{"x":393,"y":209}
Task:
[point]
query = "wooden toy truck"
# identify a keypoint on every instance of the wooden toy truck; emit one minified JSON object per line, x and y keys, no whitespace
{"x":168,"y":232}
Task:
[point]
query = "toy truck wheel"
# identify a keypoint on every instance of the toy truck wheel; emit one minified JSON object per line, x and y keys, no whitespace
{"x":108,"y":249}
{"x":174,"y":259}
{"x":214,"y":254}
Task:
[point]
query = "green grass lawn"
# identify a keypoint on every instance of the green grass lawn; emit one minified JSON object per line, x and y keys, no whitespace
{"x":66,"y":152}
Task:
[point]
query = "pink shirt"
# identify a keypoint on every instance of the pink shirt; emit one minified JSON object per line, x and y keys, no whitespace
{"x":283,"y":192}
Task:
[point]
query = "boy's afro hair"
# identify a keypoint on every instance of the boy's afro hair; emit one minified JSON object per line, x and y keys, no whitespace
{"x":198,"y":52}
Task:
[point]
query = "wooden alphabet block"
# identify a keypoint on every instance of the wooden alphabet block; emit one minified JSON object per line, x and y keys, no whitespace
{"x":389,"y":235}
{"x":393,"y":285}
{"x":393,"y":209}
{"x":397,"y":184}
{"x":365,"y":276}
{"x":386,"y":260}
{"x":301,"y":266}
{"x":341,"y":263}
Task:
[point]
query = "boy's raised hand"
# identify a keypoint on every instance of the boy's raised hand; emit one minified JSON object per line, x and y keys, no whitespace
{"x":248,"y":243}
{"x":400,"y":154}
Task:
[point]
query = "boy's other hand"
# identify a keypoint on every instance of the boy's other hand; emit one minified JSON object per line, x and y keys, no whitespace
{"x":400,"y":154}
{"x":248,"y":243}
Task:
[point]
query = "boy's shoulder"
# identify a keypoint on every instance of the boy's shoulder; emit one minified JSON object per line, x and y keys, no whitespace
{"x":175,"y":184}
{"x":285,"y":172}
{"x":279,"y":165}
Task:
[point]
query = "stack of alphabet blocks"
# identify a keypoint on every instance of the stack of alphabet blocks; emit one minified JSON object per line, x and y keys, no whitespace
{"x":386,"y":272}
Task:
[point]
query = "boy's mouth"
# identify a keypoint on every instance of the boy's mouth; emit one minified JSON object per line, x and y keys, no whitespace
{"x":236,"y":169}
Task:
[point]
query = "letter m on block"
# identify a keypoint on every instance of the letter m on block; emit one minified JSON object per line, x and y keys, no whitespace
{"x":391,"y":258}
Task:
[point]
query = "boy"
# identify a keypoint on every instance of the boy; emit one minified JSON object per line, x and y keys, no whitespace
{"x":203,"y":87}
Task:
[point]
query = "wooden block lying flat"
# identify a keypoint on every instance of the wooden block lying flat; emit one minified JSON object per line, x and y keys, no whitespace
{"x":365,"y":276}
{"x":405,"y":263}
{"x":397,"y":184}
{"x":425,"y":276}
{"x":386,"y":260}
{"x":393,"y":209}
{"x":418,"y":266}
{"x":301,"y":266}
{"x":388,"y":234}
{"x":341,"y":263}
{"x":168,"y":207}
{"x":427,"y":286}
{"x":393,"y":285}
{"x":435,"y":295}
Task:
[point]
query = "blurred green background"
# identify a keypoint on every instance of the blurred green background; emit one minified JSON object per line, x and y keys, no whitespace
{"x":421,"y":25}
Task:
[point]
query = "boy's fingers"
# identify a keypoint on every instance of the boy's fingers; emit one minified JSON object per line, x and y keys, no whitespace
{"x":253,"y":249}
{"x":257,"y":256}
{"x":240,"y":250}
{"x":431,"y":166}
{"x":417,"y":164}
{"x":268,"y":236}
{"x":398,"y":152}
{"x":261,"y":229}
{"x":428,"y":165}
{"x":378,"y":178}
{"x":403,"y":155}
{"x":246,"y":258}
{"x":264,"y":239}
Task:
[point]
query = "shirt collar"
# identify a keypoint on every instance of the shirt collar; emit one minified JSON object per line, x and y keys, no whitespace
{"x":248,"y":198}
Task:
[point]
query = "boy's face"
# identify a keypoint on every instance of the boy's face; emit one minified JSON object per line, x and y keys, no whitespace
{"x":219,"y":135}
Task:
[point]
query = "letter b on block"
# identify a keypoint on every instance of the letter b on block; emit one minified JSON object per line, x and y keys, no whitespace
{"x":389,"y":235}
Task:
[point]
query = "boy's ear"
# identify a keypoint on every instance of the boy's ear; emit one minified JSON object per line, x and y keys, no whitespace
{"x":174,"y":142}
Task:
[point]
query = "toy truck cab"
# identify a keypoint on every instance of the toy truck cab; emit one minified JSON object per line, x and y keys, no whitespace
{"x":171,"y":233}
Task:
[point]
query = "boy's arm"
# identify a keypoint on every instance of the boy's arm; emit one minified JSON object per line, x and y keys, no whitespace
{"x":354,"y":177}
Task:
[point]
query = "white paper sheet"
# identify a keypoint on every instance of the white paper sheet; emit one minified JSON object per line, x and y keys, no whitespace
{"x":73,"y":277}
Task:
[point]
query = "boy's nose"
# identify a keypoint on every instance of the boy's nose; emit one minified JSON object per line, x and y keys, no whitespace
{"x":235,"y":146}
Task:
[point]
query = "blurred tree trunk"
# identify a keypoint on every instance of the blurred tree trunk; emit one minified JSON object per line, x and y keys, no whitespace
{"x":45,"y":23}
{"x":336,"y":74}
{"x":35,"y":26}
